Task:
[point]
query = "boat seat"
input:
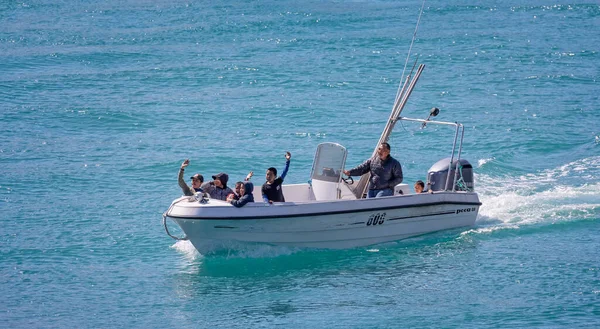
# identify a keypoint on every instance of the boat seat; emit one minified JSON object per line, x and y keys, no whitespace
{"x":401,"y":189}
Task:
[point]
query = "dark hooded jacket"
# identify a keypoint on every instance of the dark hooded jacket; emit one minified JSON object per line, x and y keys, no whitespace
{"x":217,"y":192}
{"x":247,"y":197}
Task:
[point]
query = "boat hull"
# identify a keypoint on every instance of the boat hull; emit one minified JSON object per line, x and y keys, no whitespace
{"x":337,"y":224}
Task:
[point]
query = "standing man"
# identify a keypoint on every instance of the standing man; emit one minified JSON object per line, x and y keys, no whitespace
{"x":386,"y":172}
{"x":197,"y":181}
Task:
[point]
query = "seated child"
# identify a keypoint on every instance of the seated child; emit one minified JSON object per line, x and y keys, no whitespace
{"x":245,"y":195}
{"x":419,"y":186}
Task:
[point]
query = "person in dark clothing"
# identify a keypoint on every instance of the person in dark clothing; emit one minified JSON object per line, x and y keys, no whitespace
{"x":419,"y":186}
{"x":217,"y":188}
{"x":238,"y":185}
{"x":271,"y":189}
{"x":245,"y":195}
{"x":197,"y":181}
{"x":236,"y":192}
{"x":386,"y":172}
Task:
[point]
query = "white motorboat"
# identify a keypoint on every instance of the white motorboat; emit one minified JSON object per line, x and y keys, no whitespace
{"x":331,"y":211}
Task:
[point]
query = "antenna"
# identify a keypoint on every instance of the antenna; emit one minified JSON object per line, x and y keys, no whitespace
{"x":412,"y":41}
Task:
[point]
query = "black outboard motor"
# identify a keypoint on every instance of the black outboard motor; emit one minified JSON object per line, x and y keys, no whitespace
{"x":438,"y":174}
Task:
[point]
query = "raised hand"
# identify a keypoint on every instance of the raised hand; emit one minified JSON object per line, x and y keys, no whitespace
{"x":185,"y":163}
{"x":288,"y":156}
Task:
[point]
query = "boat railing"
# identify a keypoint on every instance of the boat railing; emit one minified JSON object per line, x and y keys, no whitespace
{"x":164,"y":220}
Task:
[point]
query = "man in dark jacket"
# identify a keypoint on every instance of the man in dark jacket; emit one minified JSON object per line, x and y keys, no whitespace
{"x":386,"y":172}
{"x":217,"y":188}
{"x":197,"y":181}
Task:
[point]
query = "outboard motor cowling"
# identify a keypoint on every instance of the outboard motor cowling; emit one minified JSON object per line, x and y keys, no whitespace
{"x":437,"y":176}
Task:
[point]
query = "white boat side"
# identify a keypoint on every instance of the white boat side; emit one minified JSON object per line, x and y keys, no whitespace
{"x":335,"y":224}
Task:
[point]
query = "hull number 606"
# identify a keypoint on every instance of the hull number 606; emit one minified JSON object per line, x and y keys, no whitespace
{"x":376,"y":219}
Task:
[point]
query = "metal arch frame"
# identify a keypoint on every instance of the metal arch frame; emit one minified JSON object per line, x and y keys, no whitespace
{"x":459,"y":129}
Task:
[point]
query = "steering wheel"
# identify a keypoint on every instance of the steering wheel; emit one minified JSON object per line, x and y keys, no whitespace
{"x":348,"y":179}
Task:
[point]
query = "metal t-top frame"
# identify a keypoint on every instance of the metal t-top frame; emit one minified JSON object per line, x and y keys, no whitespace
{"x":459,"y":128}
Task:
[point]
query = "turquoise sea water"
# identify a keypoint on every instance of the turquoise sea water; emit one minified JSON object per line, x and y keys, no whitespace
{"x":102,"y":101}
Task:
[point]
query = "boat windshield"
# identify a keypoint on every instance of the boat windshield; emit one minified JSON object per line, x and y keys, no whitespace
{"x":329,"y":162}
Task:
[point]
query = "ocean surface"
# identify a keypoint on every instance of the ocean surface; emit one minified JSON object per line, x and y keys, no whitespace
{"x":101,"y":101}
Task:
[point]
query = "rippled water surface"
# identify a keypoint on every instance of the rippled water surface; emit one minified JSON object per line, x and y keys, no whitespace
{"x":102,"y":101}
